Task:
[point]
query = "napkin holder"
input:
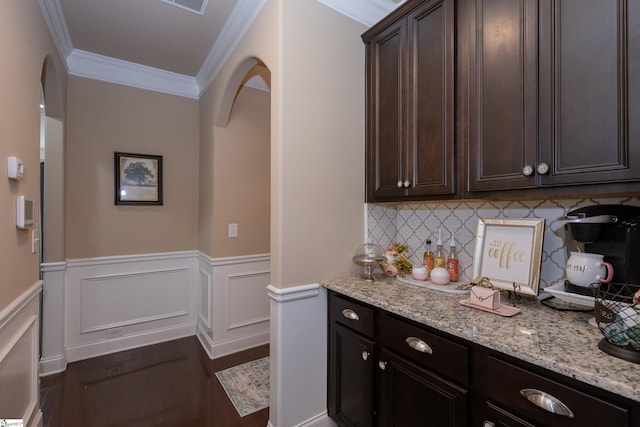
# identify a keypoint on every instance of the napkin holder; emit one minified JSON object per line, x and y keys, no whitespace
{"x":485,"y":297}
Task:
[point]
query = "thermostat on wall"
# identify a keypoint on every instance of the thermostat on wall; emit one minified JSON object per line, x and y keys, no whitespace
{"x":15,"y":168}
{"x":24,"y":212}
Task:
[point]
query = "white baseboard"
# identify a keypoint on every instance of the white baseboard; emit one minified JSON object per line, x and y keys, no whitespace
{"x":100,"y":348}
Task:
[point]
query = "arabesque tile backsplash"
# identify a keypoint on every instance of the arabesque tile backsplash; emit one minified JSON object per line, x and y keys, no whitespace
{"x":412,"y":223}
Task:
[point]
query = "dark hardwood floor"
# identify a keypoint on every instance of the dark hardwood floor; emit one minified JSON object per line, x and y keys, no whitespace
{"x":167,"y":384}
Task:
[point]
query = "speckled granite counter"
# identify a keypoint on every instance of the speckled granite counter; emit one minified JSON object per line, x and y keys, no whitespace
{"x":561,"y":341}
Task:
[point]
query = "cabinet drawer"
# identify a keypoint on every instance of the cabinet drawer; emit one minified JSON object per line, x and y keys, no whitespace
{"x":354,"y":315}
{"x":429,"y":350}
{"x":507,"y":385}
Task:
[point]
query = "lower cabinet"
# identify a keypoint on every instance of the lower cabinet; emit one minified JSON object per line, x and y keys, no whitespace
{"x":350,"y":377}
{"x":410,"y":395}
{"x":385,"y":370}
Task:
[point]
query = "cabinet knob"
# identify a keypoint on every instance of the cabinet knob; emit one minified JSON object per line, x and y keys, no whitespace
{"x":400,"y":184}
{"x":543,"y":168}
{"x":365,"y":355}
{"x":546,"y":401}
{"x":350,"y":314}
{"x":382,"y":365}
{"x":527,"y":170}
{"x":406,"y":184}
{"x":418,"y":345}
{"x":488,"y":424}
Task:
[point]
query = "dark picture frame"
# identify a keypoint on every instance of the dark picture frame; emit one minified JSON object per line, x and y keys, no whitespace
{"x":138,"y":179}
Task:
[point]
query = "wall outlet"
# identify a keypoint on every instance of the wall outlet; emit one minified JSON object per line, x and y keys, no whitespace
{"x":114,"y":333}
{"x":232,"y":230}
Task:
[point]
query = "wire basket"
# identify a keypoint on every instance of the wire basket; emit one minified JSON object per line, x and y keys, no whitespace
{"x":617,"y":313}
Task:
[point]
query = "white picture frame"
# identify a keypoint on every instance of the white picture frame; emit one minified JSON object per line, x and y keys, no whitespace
{"x":508,"y":252}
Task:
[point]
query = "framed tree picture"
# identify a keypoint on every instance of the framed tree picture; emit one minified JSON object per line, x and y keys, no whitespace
{"x":138,"y":179}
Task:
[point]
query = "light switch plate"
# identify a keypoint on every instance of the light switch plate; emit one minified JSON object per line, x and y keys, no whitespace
{"x":232,"y":230}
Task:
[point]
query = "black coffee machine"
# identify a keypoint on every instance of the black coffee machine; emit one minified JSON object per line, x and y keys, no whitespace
{"x":609,"y":230}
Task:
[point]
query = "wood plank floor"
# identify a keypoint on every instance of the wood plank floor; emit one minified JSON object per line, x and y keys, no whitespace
{"x":167,"y":384}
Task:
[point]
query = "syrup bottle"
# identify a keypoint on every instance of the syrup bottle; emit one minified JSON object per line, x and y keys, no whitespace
{"x":439,"y":255}
{"x":427,"y":259}
{"x":452,"y":262}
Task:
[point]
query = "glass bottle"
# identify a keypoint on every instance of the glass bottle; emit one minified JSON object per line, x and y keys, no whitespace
{"x":427,"y":259}
{"x":439,"y":256}
{"x":452,"y":262}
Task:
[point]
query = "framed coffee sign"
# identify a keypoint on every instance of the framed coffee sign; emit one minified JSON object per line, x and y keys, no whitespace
{"x":508,"y":252}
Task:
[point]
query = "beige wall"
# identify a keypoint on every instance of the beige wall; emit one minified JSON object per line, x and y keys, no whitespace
{"x":317,"y":137}
{"x":241,"y":177}
{"x":24,"y":44}
{"x":103,"y":118}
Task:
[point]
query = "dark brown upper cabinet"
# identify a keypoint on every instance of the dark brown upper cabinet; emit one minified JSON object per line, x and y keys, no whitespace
{"x":410,"y":66}
{"x":554,"y":95}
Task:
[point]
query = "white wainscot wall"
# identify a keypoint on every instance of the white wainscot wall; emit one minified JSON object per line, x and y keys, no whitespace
{"x":121,"y":302}
{"x":19,"y":383}
{"x":233,"y":309}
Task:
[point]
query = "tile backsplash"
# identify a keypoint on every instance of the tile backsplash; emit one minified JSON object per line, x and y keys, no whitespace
{"x":412,"y":223}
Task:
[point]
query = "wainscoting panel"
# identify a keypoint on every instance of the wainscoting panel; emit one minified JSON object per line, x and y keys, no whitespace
{"x":238,"y":306}
{"x":19,"y":391}
{"x":103,"y":305}
{"x":116,"y":303}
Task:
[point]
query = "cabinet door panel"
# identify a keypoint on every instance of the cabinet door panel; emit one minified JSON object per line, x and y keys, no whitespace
{"x":431,"y":86}
{"x":411,"y":396}
{"x":350,"y":377}
{"x":589,"y":110}
{"x":502,"y":93}
{"x":386,"y":105}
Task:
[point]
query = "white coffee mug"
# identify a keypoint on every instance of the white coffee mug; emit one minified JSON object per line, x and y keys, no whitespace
{"x":583,"y":269}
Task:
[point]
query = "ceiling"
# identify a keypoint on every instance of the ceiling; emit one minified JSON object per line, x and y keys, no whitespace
{"x":156,"y":45}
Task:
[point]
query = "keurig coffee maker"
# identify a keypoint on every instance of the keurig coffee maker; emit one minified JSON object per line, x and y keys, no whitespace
{"x":609,"y":230}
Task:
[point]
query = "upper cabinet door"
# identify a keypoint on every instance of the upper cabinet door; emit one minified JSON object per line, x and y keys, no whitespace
{"x":590,"y":91}
{"x":502,"y":94}
{"x":431,"y":100}
{"x":386,"y":113}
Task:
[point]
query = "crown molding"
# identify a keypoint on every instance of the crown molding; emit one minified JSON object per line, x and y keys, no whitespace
{"x":53,"y":16}
{"x":366,"y":12}
{"x":238,"y":23}
{"x":99,"y":67}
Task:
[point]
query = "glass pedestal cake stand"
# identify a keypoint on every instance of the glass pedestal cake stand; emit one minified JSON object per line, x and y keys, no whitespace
{"x":369,"y":263}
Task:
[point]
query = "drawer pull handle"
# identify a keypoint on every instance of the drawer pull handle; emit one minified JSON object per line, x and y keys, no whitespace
{"x":419,"y":345}
{"x":546,"y":401}
{"x":350,"y":314}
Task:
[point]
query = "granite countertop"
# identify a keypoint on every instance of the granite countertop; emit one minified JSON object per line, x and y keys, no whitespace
{"x":561,"y":341}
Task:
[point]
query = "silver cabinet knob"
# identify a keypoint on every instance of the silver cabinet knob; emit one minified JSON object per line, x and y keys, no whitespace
{"x":382,"y":365}
{"x":527,"y":170}
{"x":400,"y":184}
{"x":543,"y":168}
{"x":546,"y":401}
{"x":406,"y":184}
{"x":350,"y":314}
{"x":365,"y":355}
{"x":488,"y":424}
{"x":418,"y":345}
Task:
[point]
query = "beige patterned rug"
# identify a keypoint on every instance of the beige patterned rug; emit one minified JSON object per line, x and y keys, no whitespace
{"x":247,"y":385}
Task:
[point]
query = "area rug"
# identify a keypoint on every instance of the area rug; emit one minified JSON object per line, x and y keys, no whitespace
{"x":247,"y":385}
